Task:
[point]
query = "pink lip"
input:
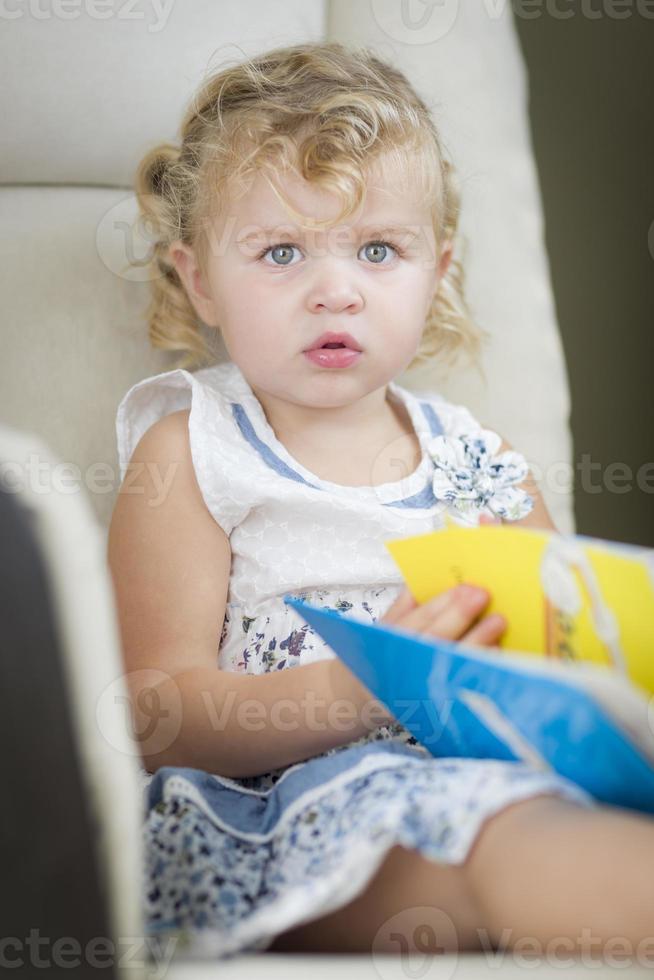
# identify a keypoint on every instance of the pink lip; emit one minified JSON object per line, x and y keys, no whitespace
{"x":333,"y":358}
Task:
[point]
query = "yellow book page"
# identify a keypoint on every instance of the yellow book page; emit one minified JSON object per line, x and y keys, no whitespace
{"x":562,"y":598}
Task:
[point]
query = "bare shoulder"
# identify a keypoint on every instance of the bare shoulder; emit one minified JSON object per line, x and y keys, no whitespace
{"x":539,"y":516}
{"x":170,"y":432}
{"x":163,"y":451}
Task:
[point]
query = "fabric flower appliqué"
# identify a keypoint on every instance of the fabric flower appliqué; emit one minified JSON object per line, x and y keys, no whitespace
{"x":472,"y":478}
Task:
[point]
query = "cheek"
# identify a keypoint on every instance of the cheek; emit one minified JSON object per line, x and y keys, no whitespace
{"x":411,"y":305}
{"x":413,"y":296}
{"x":254,"y":330}
{"x":242,"y":300}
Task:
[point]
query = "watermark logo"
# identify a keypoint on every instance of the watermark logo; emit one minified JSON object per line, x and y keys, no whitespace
{"x":151,"y":721}
{"x":395,"y":465}
{"x":428,"y":21}
{"x":125,"y":241}
{"x":416,"y":21}
{"x":418,"y":938}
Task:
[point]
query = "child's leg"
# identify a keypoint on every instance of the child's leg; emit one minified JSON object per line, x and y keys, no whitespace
{"x":405,"y":883}
{"x":547,"y":868}
{"x":542,"y":869}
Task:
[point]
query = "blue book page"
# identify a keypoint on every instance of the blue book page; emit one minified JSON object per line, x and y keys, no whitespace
{"x":484,"y":704}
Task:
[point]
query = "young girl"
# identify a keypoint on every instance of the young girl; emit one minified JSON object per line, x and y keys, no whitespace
{"x":309,"y":215}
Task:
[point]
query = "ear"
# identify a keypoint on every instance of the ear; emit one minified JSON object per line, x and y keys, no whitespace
{"x":445,"y":259}
{"x":188,"y":269}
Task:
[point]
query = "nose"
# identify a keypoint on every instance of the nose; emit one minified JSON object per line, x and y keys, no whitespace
{"x":334,"y":291}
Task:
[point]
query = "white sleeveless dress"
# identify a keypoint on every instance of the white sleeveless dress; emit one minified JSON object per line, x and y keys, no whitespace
{"x":232,"y":863}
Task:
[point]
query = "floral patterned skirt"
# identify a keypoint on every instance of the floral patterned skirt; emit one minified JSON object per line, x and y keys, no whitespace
{"x":230,"y":864}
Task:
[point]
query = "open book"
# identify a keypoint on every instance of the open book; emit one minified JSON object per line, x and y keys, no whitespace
{"x":570,"y":688}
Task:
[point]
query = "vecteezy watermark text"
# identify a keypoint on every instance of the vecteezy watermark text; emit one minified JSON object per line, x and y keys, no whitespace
{"x":428,"y":21}
{"x":152,"y":706}
{"x":99,"y":952}
{"x":156,"y":12}
{"x":142,"y":477}
{"x":41,"y":476}
{"x":426,"y":943}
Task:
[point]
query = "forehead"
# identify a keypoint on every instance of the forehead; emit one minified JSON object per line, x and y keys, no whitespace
{"x":392,"y":196}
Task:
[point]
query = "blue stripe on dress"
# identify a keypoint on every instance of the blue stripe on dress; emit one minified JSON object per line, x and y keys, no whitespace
{"x":423,"y":499}
{"x":435,"y":425}
{"x":255,"y":816}
{"x":266,"y":453}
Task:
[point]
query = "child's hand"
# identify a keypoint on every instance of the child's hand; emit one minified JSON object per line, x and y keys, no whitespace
{"x":452,"y":615}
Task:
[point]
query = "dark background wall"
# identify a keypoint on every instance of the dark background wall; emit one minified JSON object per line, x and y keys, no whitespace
{"x":592,"y":116}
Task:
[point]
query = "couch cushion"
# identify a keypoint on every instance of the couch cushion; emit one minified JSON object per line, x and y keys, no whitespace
{"x":108,"y":81}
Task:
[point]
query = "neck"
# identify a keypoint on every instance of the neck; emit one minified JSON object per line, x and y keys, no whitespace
{"x":364,"y":421}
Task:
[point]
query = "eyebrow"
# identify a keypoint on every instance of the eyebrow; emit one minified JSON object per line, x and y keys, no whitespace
{"x":377,"y":229}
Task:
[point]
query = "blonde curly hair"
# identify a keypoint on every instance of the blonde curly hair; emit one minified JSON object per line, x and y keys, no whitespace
{"x":328,"y":111}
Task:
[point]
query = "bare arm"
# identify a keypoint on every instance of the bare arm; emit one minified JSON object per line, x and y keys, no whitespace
{"x":170,"y":563}
{"x":539,"y":516}
{"x":245,"y":724}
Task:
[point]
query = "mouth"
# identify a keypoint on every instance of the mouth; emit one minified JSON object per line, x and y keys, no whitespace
{"x":335,"y":341}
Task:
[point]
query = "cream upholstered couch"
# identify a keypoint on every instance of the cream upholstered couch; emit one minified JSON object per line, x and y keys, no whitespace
{"x":87,"y":88}
{"x":84,"y":96}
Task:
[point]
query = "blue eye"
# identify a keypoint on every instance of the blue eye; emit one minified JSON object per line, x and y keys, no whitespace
{"x":282,"y":247}
{"x":287,"y":247}
{"x":380,"y":245}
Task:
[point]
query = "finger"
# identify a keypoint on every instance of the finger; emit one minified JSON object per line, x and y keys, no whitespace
{"x":486,"y":632}
{"x":400,"y":607}
{"x":420,"y":616}
{"x":450,"y":614}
